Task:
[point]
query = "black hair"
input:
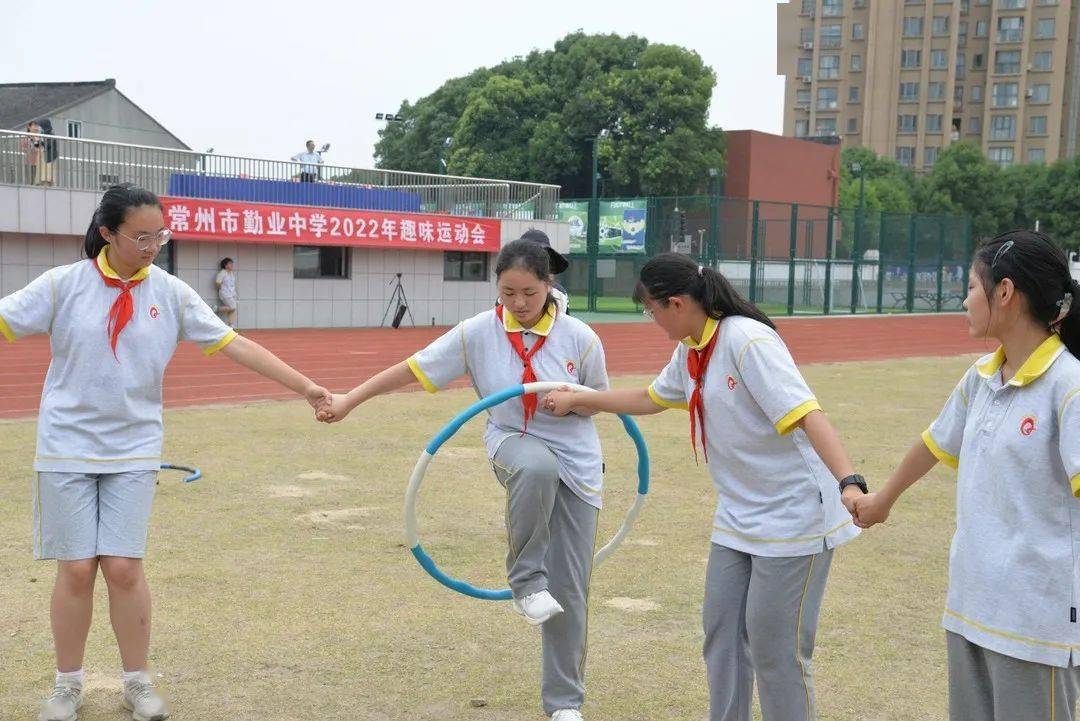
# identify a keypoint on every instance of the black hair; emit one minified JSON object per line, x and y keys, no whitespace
{"x":225,"y":262}
{"x":529,"y":256}
{"x":1039,"y":269}
{"x":112,"y":210}
{"x":670,"y":274}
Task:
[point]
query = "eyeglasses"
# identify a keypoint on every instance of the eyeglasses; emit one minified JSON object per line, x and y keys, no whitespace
{"x":145,"y":241}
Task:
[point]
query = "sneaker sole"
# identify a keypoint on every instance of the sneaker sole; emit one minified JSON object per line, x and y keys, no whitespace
{"x":537,"y":621}
{"x":72,"y":717}
{"x":139,"y":717}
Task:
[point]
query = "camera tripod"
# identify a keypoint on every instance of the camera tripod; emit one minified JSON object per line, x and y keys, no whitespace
{"x":397,"y":296}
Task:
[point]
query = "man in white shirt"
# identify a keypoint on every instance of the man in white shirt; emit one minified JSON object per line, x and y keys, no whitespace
{"x":309,"y":171}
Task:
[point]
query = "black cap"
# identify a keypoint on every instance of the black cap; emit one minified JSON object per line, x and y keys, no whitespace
{"x":558,"y":262}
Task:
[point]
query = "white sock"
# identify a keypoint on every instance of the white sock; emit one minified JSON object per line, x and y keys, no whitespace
{"x":69,"y":678}
{"x":141,"y":676}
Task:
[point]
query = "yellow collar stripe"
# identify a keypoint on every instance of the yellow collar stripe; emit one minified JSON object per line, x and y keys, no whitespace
{"x":1037,"y":363}
{"x":103,"y":263}
{"x":711,"y":324}
{"x":542,"y":327}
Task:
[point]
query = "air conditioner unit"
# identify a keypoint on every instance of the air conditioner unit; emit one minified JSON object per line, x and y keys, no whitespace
{"x":805,"y":78}
{"x":1030,"y":93}
{"x":1029,"y":67}
{"x":808,"y":46}
{"x":802,"y":106}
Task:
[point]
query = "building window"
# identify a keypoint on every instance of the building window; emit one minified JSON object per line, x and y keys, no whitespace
{"x":905,"y":156}
{"x":976,"y":93}
{"x":808,"y":7}
{"x":828,"y":98}
{"x":858,"y":31}
{"x":934,"y":123}
{"x":831,"y":36}
{"x":1044,"y":60}
{"x":1047,"y":2}
{"x":825,"y":126}
{"x":858,"y":3}
{"x":1003,"y":127}
{"x":961,"y":66}
{"x":908,"y":124}
{"x":832,"y":8}
{"x":909,"y":92}
{"x":939,"y":59}
{"x":1040,"y":93}
{"x":935,"y":92}
{"x":321,"y":261}
{"x":1010,"y":30}
{"x":1037,"y":155}
{"x":982,"y":28}
{"x":930,"y":154}
{"x":910,"y":58}
{"x":854,"y":94}
{"x":806,"y":67}
{"x":74,"y":128}
{"x":1037,"y":125}
{"x":806,"y":35}
{"x":1012,"y":4}
{"x":977,"y":61}
{"x":913,"y":27}
{"x":467,"y":266}
{"x":829,"y":67}
{"x":802,"y":128}
{"x":940,"y":26}
{"x":852,"y":125}
{"x":962,"y":33}
{"x":1007,"y":62}
{"x":802,"y":98}
{"x":1003,"y":157}
{"x":1045,"y":28}
{"x":1006,"y":95}
{"x":975,"y":125}
{"x":856,"y":63}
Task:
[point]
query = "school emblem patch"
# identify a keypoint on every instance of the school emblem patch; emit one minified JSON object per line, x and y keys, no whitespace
{"x":154,"y":311}
{"x":570,"y":367}
{"x":731,"y":383}
{"x":1028,"y":426}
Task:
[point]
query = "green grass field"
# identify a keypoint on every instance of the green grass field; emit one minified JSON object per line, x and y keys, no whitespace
{"x":283,"y":590}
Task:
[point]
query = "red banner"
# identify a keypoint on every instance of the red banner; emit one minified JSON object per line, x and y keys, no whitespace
{"x":246,"y":222}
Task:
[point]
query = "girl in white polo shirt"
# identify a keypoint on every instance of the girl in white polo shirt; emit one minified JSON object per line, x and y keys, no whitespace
{"x":551,"y":467}
{"x":114,"y":321}
{"x":780,"y":473}
{"x":1012,"y":430}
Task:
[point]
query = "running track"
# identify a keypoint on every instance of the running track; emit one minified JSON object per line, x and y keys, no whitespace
{"x":341,"y":358}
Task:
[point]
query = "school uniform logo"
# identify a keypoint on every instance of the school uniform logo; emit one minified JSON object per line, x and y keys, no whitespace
{"x":154,"y":311}
{"x":570,"y":367}
{"x":731,"y":383}
{"x":1028,"y":426}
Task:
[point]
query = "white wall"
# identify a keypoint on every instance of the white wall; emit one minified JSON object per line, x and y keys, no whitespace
{"x":42,"y":228}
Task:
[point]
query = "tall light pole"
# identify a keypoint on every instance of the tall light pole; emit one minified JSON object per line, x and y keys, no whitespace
{"x":593,"y":236}
{"x":857,"y":169}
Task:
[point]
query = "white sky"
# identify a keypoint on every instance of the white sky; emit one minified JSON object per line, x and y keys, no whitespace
{"x":258,"y":79}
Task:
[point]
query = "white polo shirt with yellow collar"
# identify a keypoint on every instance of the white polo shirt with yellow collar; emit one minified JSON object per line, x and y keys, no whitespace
{"x":1014,"y":565}
{"x":572,"y":353}
{"x":100,"y":413}
{"x":775,"y":495}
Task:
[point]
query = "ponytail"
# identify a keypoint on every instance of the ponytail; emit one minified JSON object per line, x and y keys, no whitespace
{"x":670,"y":274}
{"x":1069,"y":328}
{"x":111,"y":211}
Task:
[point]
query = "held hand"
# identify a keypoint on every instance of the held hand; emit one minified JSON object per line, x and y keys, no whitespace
{"x":560,"y":402}
{"x":848,"y":496}
{"x":870,"y":510}
{"x":335,"y":411}
{"x":317,"y":396}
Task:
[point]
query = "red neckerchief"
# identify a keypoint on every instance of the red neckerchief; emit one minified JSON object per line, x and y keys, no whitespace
{"x":528,"y":400}
{"x":122,"y":308}
{"x":696,"y":363}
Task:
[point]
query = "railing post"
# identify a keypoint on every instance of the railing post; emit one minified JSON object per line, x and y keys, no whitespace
{"x":829,"y":251}
{"x":754,"y":251}
{"x":793,"y":251}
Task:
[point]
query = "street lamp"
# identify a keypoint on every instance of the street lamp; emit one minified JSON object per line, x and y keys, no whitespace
{"x":714,"y":215}
{"x":857,"y":169}
{"x":442,"y":154}
{"x":593,"y":237}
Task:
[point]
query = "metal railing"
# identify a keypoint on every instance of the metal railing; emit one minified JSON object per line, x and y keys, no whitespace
{"x":81,"y":164}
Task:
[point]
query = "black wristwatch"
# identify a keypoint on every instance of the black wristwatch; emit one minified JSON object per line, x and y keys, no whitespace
{"x":854,"y":480}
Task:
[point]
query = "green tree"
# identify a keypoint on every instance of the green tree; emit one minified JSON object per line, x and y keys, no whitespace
{"x":964,"y":182}
{"x":534,"y":118}
{"x":1059,"y":214}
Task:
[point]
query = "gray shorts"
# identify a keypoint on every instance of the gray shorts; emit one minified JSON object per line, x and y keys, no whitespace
{"x":86,"y":515}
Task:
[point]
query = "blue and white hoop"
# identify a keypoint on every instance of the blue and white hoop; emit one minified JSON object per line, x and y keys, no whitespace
{"x":413,"y":537}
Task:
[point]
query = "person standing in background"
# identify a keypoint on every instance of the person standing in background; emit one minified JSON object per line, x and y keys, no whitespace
{"x":225,"y":282}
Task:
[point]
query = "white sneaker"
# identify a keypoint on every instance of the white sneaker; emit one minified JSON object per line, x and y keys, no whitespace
{"x":537,"y":607}
{"x":63,"y":703}
{"x":143,"y":702}
{"x":566,"y":714}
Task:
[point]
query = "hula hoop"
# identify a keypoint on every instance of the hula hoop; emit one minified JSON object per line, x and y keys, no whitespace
{"x":412,"y":536}
{"x":194,"y":474}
